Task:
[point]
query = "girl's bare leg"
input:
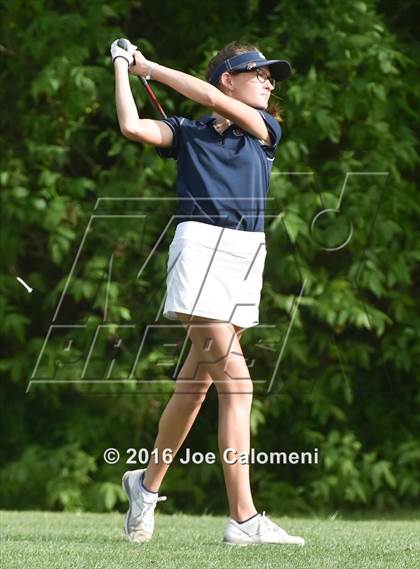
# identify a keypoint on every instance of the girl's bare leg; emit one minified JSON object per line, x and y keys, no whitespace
{"x":218,"y":346}
{"x":178,"y":416}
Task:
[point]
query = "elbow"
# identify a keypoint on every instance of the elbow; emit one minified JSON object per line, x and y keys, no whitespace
{"x":126,"y":131}
{"x":131,"y":130}
{"x":131,"y":133}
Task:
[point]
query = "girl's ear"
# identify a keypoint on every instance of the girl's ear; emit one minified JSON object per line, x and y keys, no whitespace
{"x":225,"y":82}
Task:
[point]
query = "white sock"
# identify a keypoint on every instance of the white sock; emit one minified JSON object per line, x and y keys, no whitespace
{"x":249,"y":523}
{"x":149,"y":495}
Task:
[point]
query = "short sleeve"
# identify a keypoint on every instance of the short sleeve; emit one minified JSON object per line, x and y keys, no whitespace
{"x":175,"y":124}
{"x":274,"y":130}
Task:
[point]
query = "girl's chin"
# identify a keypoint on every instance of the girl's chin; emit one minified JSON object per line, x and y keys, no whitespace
{"x":258,"y":104}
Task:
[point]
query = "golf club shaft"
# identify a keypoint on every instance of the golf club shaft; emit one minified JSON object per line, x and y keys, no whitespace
{"x":153,"y":97}
{"x":123,"y":44}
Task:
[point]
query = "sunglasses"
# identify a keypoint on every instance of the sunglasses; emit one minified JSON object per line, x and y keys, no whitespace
{"x":261,"y":75}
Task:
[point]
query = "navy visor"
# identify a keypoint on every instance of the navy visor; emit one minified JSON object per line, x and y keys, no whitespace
{"x":279,"y":69}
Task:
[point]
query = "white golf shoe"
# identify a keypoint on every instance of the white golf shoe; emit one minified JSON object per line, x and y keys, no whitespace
{"x":258,"y":530}
{"x":139,"y":520}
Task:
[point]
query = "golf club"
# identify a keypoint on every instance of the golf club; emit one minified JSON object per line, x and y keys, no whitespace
{"x":123,"y":43}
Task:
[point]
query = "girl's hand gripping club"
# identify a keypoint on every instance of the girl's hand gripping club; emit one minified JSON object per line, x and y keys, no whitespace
{"x":130,"y":49}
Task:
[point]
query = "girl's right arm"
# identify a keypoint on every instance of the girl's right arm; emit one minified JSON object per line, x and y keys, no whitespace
{"x":148,"y":131}
{"x":202,"y":92}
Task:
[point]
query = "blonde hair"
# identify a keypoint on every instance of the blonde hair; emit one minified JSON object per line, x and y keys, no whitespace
{"x":231,"y":49}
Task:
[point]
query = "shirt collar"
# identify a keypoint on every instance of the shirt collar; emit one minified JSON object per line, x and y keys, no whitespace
{"x":206,"y":119}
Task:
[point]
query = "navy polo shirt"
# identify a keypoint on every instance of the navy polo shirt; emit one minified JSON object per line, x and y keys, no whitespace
{"x":222,"y":178}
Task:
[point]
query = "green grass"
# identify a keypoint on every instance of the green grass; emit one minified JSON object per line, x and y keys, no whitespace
{"x":95,"y":541}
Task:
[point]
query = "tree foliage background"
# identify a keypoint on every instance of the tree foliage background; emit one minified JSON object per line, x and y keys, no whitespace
{"x":347,"y":383}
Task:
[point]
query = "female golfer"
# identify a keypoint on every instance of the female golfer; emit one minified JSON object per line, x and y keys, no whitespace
{"x":215,"y":265}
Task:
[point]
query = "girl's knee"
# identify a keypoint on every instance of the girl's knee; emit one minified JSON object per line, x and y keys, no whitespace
{"x":192,"y":394}
{"x":235,"y":393}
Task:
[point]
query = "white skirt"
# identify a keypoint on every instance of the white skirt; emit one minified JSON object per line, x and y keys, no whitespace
{"x":215,"y":272}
